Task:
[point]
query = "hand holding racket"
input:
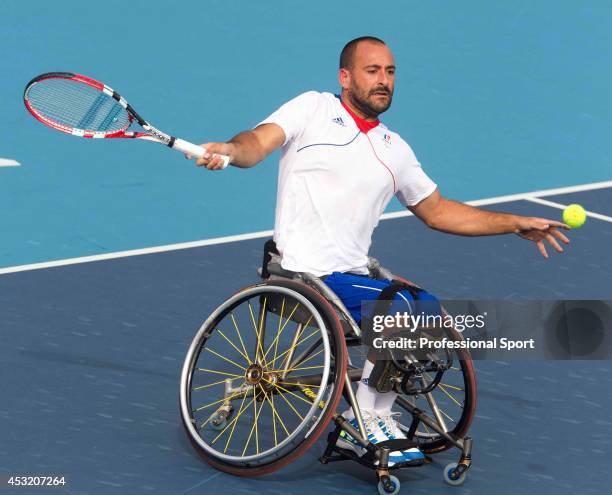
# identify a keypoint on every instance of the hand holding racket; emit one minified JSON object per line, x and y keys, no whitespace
{"x":81,"y":106}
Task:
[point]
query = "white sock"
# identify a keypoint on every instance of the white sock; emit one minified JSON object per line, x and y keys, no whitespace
{"x":384,"y":403}
{"x":366,"y":395}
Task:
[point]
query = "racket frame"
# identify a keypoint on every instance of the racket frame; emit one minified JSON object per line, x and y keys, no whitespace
{"x":151,"y":133}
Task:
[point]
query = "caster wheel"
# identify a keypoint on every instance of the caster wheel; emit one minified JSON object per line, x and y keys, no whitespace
{"x":218,"y":420}
{"x":451,"y":477}
{"x":388,"y":485}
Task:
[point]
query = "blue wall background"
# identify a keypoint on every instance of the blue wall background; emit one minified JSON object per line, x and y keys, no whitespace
{"x":494,"y":97}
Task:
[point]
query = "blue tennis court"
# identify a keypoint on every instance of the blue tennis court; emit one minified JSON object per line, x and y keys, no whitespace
{"x":113,"y":254}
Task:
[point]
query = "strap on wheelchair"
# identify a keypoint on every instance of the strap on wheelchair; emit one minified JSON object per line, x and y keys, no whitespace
{"x":271,"y":263}
{"x":386,"y":296}
{"x":385,"y":299}
{"x":269,"y":250}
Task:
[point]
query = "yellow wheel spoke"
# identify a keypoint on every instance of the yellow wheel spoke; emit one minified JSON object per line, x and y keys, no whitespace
{"x":251,"y":433}
{"x":450,"y":396}
{"x":255,"y":423}
{"x":275,"y":415}
{"x":310,"y":357}
{"x":271,"y":402}
{"x":443,"y":388}
{"x":280,"y":330}
{"x":209,"y":385}
{"x":254,"y":427}
{"x":224,"y":358}
{"x":280,"y":321}
{"x":298,"y":369}
{"x":235,"y":422}
{"x":234,"y":346}
{"x":252,"y":316}
{"x":297,"y":384}
{"x":220,"y":373}
{"x":288,"y":370}
{"x":454,"y":387}
{"x":258,"y":344}
{"x":233,"y":396}
{"x":289,"y":403}
{"x":447,"y":416}
{"x":260,"y":334}
{"x":291,"y":406}
{"x":316,"y":331}
{"x":290,"y":392}
{"x":240,"y":337}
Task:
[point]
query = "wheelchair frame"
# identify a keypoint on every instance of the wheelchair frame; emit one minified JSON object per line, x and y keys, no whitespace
{"x":377,"y":455}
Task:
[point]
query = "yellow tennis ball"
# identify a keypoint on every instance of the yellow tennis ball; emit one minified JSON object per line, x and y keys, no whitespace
{"x":574,"y":216}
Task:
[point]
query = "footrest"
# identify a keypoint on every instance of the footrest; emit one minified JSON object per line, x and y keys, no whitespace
{"x":413,"y":463}
{"x":371,"y":462}
{"x":398,"y":444}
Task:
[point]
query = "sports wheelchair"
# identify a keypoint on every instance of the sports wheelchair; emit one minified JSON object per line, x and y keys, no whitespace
{"x":266,"y":372}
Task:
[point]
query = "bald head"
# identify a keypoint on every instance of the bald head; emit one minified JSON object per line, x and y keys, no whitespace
{"x":347,"y":54}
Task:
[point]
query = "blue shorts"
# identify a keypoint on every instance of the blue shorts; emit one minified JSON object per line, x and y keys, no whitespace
{"x":354,"y":289}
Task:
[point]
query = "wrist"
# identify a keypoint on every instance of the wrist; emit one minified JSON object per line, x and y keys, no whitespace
{"x":517,"y":224}
{"x":231,"y":151}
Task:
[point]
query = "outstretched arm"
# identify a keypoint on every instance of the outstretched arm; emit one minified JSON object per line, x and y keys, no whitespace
{"x":245,"y":149}
{"x":458,"y":218}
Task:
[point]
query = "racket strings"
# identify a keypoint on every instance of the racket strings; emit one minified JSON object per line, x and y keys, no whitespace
{"x":78,"y":106}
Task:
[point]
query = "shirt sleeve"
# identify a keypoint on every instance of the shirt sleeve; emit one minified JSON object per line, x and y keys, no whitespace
{"x":294,"y":115}
{"x":413,"y":184}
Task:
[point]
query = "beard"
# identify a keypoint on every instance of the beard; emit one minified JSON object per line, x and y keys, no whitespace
{"x":368,"y":102}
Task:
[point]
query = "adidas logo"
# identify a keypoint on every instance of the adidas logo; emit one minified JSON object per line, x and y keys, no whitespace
{"x":365,"y":381}
{"x":339,"y":121}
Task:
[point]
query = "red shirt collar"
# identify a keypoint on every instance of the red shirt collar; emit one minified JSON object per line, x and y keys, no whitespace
{"x":362,"y":124}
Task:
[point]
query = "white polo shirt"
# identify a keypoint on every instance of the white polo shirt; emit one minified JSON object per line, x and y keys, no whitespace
{"x":334,"y":183}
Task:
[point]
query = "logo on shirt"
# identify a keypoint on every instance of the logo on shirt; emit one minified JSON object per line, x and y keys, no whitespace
{"x":387,"y":139}
{"x":339,"y":121}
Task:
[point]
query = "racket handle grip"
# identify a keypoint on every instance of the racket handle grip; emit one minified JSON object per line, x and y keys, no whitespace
{"x":194,"y":150}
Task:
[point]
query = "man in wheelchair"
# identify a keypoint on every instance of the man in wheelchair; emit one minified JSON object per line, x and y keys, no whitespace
{"x":339,"y":169}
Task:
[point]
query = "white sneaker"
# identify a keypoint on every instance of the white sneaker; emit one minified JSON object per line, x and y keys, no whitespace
{"x":378,"y":431}
{"x":389,"y":424}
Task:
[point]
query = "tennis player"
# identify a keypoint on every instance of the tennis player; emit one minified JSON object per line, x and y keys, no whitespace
{"x":339,"y":168}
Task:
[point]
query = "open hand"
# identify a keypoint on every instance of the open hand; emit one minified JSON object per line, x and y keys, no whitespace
{"x":540,"y":229}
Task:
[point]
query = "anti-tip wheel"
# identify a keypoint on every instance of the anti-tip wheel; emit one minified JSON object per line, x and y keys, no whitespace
{"x":218,"y":420}
{"x":390,"y":487}
{"x":448,"y":470}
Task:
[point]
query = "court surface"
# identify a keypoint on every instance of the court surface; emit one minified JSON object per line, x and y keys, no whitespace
{"x":92,"y":355}
{"x":113,"y":254}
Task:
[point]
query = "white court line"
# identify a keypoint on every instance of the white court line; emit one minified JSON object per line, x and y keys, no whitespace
{"x":136,"y":252}
{"x":7,"y":162}
{"x":552,"y":204}
{"x":518,"y":197}
{"x":268,"y":233}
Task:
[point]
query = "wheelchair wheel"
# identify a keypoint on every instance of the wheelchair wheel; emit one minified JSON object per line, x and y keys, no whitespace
{"x":452,"y":402}
{"x":263,"y":377}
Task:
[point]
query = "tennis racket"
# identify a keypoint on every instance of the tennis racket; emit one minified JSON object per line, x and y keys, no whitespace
{"x":81,"y":106}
